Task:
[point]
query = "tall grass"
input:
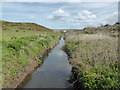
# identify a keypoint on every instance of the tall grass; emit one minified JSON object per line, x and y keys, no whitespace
{"x":95,"y":60}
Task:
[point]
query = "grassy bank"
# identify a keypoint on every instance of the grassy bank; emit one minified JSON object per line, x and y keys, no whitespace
{"x":21,"y":48}
{"x":95,"y":60}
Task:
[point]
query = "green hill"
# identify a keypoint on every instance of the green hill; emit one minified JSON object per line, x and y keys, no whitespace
{"x":22,"y":26}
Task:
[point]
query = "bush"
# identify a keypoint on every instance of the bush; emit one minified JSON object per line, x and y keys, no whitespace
{"x":17,"y":44}
{"x":106,"y":25}
{"x":14,"y":38}
{"x":99,"y":77}
{"x":43,"y":42}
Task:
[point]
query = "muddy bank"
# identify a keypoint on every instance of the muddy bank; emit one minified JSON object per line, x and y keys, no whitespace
{"x":67,"y":52}
{"x":74,"y":71}
{"x":26,"y":71}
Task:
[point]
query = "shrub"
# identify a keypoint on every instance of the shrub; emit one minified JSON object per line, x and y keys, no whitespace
{"x":13,"y":37}
{"x":99,"y":77}
{"x":17,"y":44}
{"x":43,"y":42}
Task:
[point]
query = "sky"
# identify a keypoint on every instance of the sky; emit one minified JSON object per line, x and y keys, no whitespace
{"x":61,"y":15}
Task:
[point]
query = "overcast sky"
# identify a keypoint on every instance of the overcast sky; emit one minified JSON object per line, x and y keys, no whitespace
{"x":59,"y":15}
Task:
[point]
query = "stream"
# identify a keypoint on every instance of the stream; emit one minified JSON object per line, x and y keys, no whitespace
{"x":54,"y":71}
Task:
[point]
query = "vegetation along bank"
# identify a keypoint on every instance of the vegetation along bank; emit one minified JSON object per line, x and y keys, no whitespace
{"x":93,"y":52}
{"x":23,"y":46}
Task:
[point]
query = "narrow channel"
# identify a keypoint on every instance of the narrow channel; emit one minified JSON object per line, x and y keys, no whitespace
{"x":54,"y":72}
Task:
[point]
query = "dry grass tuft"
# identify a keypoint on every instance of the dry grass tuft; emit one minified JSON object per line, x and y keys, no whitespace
{"x":95,"y":57}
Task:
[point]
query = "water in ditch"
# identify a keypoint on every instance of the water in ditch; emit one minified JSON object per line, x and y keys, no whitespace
{"x":54,"y":72}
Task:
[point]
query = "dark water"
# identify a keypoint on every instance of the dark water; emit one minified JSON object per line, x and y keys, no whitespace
{"x":53,"y":73}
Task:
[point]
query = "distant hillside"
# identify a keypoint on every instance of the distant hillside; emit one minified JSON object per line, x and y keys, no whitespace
{"x":102,"y":29}
{"x":22,"y":26}
{"x":111,"y":30}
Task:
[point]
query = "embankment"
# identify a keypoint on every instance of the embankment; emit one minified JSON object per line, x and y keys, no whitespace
{"x":31,"y":65}
{"x":94,"y":58}
{"x":25,"y":72}
{"x":23,"y":46}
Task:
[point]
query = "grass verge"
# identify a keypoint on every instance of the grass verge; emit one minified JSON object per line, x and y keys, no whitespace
{"x":95,"y":61}
{"x":20,"y":49}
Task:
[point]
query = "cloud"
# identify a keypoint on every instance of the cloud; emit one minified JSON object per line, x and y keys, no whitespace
{"x":84,"y":18}
{"x":60,"y":14}
{"x":110,"y":18}
{"x":60,"y":1}
{"x":85,"y":15}
{"x":96,"y":5}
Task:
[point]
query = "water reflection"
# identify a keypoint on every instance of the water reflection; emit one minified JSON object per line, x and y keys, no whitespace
{"x":54,"y":71}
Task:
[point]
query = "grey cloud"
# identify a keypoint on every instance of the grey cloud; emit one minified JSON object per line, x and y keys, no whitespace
{"x":58,"y":15}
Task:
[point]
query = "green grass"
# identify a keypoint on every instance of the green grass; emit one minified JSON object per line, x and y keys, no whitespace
{"x":21,"y":46}
{"x":18,"y":51}
{"x":11,"y":35}
{"x":95,"y":60}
